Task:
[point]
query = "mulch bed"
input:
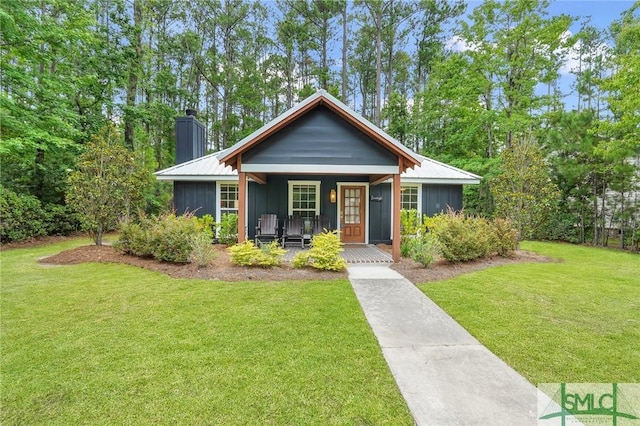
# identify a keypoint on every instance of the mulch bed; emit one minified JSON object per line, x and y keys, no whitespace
{"x":222,"y":269}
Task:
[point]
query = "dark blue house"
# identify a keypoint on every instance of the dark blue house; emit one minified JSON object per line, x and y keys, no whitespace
{"x":318,"y":158}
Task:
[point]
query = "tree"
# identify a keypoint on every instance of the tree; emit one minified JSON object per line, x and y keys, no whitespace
{"x":51,"y":93}
{"x":523,"y":191}
{"x":106,"y":186}
{"x":621,"y":147}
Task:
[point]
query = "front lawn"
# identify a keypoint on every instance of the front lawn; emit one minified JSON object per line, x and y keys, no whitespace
{"x":115,"y":344}
{"x":577,"y":320}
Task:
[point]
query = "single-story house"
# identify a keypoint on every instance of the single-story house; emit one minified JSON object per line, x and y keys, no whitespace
{"x":318,"y":158}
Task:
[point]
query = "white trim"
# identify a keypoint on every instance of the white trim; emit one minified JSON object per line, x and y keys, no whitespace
{"x":339,"y":186}
{"x":419,"y":201}
{"x":234,"y":177}
{"x":436,"y":181}
{"x":219,"y":193}
{"x":290,"y":185}
{"x":319,"y":168}
{"x":192,"y":178}
{"x":218,"y":200}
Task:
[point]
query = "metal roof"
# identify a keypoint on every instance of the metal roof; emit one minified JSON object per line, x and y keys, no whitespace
{"x":209,"y":168}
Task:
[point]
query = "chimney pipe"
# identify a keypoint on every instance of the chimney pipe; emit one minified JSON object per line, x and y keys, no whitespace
{"x":191,"y":112}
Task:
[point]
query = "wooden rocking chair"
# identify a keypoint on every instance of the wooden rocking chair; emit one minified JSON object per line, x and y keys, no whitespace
{"x":293,"y":230}
{"x":267,"y":229}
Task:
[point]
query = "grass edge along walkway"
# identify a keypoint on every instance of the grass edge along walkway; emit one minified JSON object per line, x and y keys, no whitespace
{"x":576,"y":320}
{"x":113,"y":344}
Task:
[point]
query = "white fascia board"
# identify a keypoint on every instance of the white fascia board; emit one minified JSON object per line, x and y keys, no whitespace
{"x":440,"y":181}
{"x":436,"y":181}
{"x":197,"y":178}
{"x":319,"y":169}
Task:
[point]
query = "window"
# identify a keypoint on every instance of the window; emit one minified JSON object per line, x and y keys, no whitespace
{"x":304,"y":200}
{"x":409,"y":198}
{"x":228,"y":198}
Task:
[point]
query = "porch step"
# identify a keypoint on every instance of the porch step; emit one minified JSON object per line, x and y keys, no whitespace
{"x":352,"y":254}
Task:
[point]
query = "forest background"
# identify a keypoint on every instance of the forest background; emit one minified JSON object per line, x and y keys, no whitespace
{"x":479,"y":88}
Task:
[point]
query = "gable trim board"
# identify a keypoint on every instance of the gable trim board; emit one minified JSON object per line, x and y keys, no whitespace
{"x":321,"y":98}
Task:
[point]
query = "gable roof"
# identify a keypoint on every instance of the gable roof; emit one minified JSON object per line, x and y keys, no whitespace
{"x":209,"y":168}
{"x":321,"y":97}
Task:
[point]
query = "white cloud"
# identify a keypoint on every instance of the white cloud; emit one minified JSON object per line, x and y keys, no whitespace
{"x":571,"y":58}
{"x":458,"y":44}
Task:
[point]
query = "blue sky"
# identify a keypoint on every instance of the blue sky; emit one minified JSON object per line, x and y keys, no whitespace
{"x":601,"y":14}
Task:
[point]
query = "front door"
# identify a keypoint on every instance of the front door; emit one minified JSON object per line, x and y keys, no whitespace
{"x":352,"y":220}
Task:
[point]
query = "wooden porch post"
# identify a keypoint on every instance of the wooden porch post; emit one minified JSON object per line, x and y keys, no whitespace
{"x":242,"y":205}
{"x":395,"y":237}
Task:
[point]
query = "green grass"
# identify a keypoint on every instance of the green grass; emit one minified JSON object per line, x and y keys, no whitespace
{"x":577,"y":320}
{"x":114,"y":344}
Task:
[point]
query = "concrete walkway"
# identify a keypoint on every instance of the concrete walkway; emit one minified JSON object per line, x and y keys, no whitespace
{"x":446,"y":376}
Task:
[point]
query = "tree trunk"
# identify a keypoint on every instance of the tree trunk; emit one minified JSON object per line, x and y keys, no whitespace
{"x":344,"y":53}
{"x":378,"y":94}
{"x":132,"y":86}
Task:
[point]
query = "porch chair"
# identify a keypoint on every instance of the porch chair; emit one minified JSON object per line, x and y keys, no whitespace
{"x":320,"y":223}
{"x":267,"y":229}
{"x":293,"y":230}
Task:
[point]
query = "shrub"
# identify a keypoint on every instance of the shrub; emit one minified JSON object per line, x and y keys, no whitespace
{"x":207,"y":224}
{"x":61,"y":220}
{"x":271,"y":255}
{"x":135,"y":238}
{"x":424,"y":249}
{"x":228,"y":229}
{"x":202,"y":250}
{"x":324,"y":253}
{"x":248,"y":254}
{"x":463,"y":238}
{"x":410,"y":226}
{"x":171,"y":237}
{"x":21,"y":216}
{"x":410,"y":223}
{"x":167,"y":237}
{"x":505,"y":240}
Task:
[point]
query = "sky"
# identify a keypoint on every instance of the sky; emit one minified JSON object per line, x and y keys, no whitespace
{"x":601,"y":13}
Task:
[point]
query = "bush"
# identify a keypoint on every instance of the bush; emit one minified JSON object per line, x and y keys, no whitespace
{"x":463,"y":238}
{"x":505,"y":241}
{"x":324,"y":253}
{"x":424,"y":249}
{"x":248,"y":254}
{"x":207,"y":224}
{"x":61,"y":220}
{"x":171,"y":237}
{"x":21,"y":216}
{"x":167,"y":237}
{"x":202,"y":250}
{"x":410,"y":226}
{"x":228,"y":229}
{"x":135,"y":238}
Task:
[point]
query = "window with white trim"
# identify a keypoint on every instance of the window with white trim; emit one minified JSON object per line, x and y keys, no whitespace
{"x":409,"y":199}
{"x":304,"y":200}
{"x":228,"y":198}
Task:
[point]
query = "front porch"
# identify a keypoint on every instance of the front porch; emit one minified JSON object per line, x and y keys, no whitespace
{"x":352,"y":254}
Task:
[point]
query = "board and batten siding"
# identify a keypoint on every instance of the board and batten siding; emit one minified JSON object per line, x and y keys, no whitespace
{"x":190,"y":139}
{"x":273,"y":197}
{"x":436,"y":198}
{"x":196,"y":197}
{"x":380,"y":214}
{"x":320,"y":138}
